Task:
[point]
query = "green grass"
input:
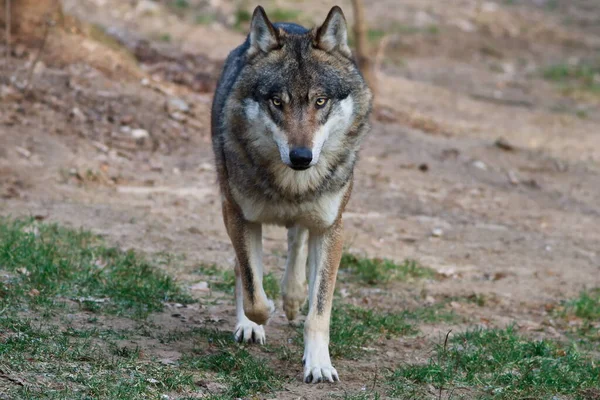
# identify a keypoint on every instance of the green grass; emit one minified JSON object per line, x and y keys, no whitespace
{"x":242,"y":373}
{"x":500,"y":364}
{"x":205,"y":19}
{"x":284,"y":15}
{"x":57,"y":363}
{"x":583,"y":313}
{"x":48,"y":264}
{"x":181,"y":4}
{"x":381,"y":271}
{"x":586,"y":306}
{"x":583,"y":76}
{"x":242,"y":19}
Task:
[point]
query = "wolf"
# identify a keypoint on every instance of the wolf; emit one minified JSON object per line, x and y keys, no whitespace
{"x":289,"y":114}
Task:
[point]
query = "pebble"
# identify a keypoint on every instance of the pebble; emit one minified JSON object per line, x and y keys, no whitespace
{"x":175,"y":104}
{"x":140,"y":134}
{"x":480,"y":164}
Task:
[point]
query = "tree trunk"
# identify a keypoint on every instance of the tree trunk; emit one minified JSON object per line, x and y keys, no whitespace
{"x":28,"y":19}
{"x":362,"y":47}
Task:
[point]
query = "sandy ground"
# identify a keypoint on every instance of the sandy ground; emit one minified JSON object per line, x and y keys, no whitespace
{"x":520,"y":225}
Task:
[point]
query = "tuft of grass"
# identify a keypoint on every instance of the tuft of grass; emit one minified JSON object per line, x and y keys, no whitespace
{"x":380,"y":271}
{"x":244,"y":374}
{"x":375,"y":35}
{"x":165,"y":37}
{"x":284,"y":15}
{"x":500,"y":364}
{"x":181,"y":4}
{"x":582,"y":76}
{"x":586,"y":306}
{"x":583,"y":313}
{"x":271,"y":285}
{"x":205,"y":19}
{"x":242,"y":18}
{"x":47,"y":263}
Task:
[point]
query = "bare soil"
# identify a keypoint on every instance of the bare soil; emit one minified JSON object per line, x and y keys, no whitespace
{"x":517,"y":222}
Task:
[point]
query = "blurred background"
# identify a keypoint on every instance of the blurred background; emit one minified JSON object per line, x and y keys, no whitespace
{"x":483,"y":161}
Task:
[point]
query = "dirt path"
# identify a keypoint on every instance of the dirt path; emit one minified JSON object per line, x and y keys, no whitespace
{"x":518,"y":225}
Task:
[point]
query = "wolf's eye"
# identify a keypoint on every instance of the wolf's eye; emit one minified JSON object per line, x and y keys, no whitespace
{"x":276,"y":102}
{"x":321,"y":101}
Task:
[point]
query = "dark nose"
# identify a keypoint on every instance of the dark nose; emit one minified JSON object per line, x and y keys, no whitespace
{"x":300,"y":157}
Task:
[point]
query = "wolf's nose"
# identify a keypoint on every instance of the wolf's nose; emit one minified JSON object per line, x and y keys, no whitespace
{"x":300,"y":157}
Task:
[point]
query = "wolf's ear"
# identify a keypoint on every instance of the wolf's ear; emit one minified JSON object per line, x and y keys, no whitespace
{"x":333,"y":34}
{"x":263,"y":36}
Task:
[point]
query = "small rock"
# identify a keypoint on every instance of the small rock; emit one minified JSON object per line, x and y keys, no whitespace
{"x":200,"y":286}
{"x":178,"y":116}
{"x":423,"y":167}
{"x":126,"y":120}
{"x":464,"y":25}
{"x":206,"y":167}
{"x":214,"y":387}
{"x":39,"y":68}
{"x":480,"y":165}
{"x":23,"y":152}
{"x":76,"y":113}
{"x":437,"y":232}
{"x":140,"y":134}
{"x":147,"y":7}
{"x":513,"y":178}
{"x":175,"y":104}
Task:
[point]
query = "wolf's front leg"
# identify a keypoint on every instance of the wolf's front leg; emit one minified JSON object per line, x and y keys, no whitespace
{"x":245,"y":330}
{"x":324,"y":254}
{"x":246,"y":237}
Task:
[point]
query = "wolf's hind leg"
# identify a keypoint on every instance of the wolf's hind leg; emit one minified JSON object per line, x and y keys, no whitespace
{"x":246,"y":238}
{"x":293,"y":286}
{"x":245,"y":330}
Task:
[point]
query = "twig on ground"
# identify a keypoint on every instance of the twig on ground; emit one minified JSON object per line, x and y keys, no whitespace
{"x":445,"y":348}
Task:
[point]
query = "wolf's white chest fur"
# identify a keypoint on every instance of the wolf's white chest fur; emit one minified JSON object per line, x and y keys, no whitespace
{"x":319,"y":213}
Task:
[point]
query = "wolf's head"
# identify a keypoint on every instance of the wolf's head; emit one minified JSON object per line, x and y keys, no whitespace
{"x":301,"y":91}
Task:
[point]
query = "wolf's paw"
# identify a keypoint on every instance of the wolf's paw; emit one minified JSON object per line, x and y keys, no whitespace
{"x":260,"y":313}
{"x":315,"y":373}
{"x":317,"y":364}
{"x":293,"y":300}
{"x":247,"y":331}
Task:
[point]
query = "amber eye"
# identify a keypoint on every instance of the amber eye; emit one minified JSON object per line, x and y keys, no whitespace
{"x":321,"y":101}
{"x":276,"y":102}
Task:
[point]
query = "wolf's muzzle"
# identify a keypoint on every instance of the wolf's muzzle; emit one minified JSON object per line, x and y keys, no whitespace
{"x":300,"y":158}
